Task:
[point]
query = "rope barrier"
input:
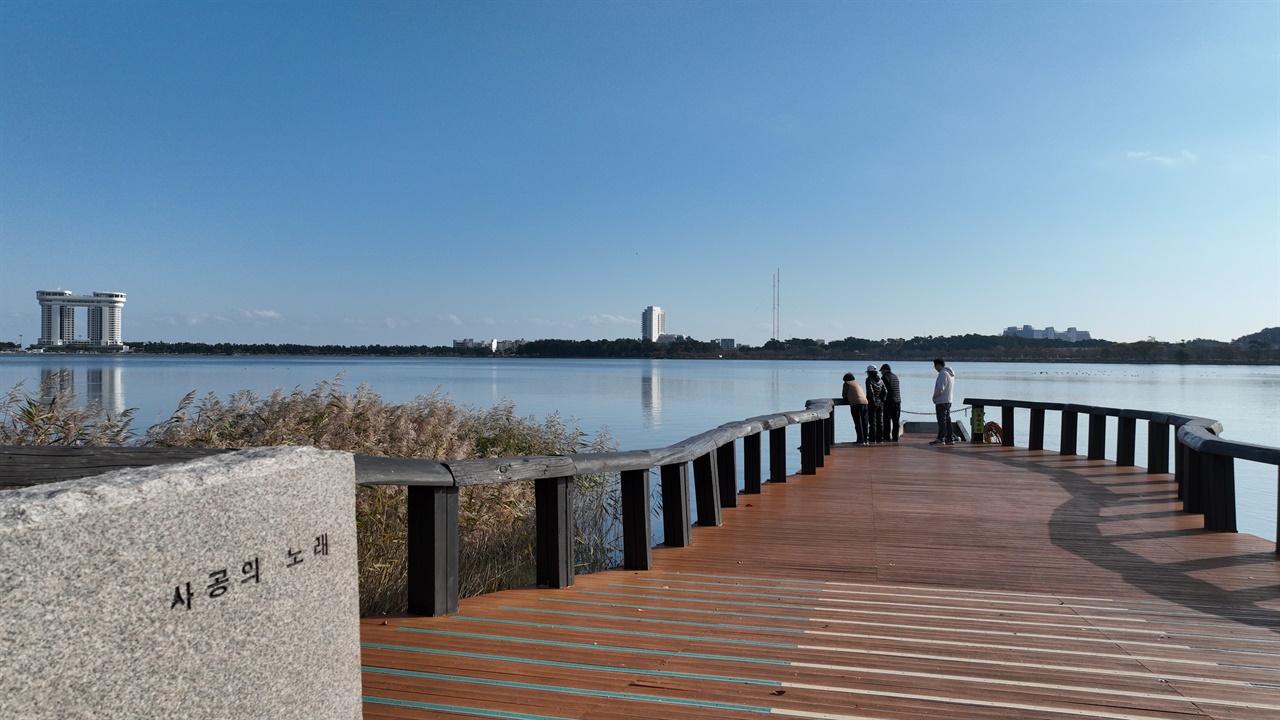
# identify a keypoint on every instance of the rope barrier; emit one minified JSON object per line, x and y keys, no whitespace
{"x":964,"y":409}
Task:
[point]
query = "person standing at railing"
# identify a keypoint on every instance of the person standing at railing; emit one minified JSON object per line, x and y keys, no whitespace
{"x":876,"y":395}
{"x":943,"y":391}
{"x":893,"y":404}
{"x":857,"y":399}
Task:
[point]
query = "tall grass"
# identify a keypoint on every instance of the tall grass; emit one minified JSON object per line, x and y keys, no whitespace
{"x":496,"y":523}
{"x":52,"y":417}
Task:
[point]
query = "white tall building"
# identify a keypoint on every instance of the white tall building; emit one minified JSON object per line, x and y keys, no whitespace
{"x":653,"y":323}
{"x":58,"y":318}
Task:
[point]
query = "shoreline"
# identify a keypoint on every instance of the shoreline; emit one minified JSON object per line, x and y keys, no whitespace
{"x":753,"y":357}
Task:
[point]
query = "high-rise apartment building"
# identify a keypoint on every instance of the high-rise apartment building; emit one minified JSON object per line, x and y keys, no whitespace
{"x":58,"y":318}
{"x":653,"y":323}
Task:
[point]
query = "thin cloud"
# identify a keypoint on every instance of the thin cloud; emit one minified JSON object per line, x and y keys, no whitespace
{"x":1186,"y":156}
{"x":606,"y":319}
{"x":191,"y":318}
{"x":259,"y":317}
{"x":452,"y":319}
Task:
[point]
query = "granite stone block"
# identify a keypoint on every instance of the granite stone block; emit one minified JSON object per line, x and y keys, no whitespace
{"x":224,"y":587}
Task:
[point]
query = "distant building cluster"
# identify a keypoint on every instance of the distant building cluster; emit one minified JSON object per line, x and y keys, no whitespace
{"x":495,"y":346}
{"x":58,"y":319}
{"x":653,"y":327}
{"x":1026,"y":331}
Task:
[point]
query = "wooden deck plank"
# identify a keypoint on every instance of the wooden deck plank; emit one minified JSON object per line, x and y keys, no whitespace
{"x":902,"y":581}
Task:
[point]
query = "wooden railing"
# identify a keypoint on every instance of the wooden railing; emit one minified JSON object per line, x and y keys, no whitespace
{"x":1204,"y":468}
{"x":1204,"y":464}
{"x":433,"y":490}
{"x":433,"y":495}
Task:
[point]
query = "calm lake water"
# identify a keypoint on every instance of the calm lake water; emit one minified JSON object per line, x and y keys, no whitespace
{"x":653,"y":403}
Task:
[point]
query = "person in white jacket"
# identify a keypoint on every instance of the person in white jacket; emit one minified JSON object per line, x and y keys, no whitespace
{"x":943,"y":390}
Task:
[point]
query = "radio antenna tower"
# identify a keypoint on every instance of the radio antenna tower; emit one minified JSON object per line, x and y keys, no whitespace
{"x":777,"y":300}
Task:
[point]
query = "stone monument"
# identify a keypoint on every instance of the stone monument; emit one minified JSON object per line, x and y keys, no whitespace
{"x":224,"y":587}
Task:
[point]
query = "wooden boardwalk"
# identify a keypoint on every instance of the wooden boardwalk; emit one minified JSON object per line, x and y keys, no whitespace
{"x":902,"y":581}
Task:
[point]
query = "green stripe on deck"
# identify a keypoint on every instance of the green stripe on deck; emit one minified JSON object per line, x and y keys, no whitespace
{"x":594,"y":668}
{"x":560,"y":643}
{"x":613,"y":631}
{"x":582,"y":692}
{"x":456,"y":709}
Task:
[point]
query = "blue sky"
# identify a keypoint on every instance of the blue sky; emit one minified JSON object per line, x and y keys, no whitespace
{"x":410,"y":173}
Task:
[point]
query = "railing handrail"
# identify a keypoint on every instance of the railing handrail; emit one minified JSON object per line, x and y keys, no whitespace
{"x":492,"y":471}
{"x":1201,"y":440}
{"x":1175,"y":419}
{"x":419,"y":472}
{"x":1199,"y":433}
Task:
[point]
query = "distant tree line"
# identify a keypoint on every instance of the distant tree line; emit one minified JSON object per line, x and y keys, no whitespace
{"x":1259,"y":348}
{"x":193,"y":348}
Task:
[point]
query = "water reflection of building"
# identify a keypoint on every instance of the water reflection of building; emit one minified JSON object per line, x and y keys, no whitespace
{"x":103,"y":385}
{"x":651,"y":394}
{"x":57,"y":381}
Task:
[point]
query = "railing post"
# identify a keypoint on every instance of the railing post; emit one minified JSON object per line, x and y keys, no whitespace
{"x":1193,"y":498}
{"x":707,"y":488}
{"x":1035,"y":440}
{"x":1006,"y":425}
{"x":727,"y":472}
{"x":808,"y":448}
{"x":829,"y":437}
{"x":1097,"y":436}
{"x":1220,"y":492}
{"x":977,"y":432}
{"x":1126,"y":441}
{"x":1180,"y":469}
{"x":751,"y":464}
{"x":1070,"y":428}
{"x":1157,"y":447}
{"x":432,"y":549}
{"x":675,"y":505}
{"x":637,"y":523}
{"x":778,"y":454}
{"x":553,"y":500}
{"x":820,"y":443}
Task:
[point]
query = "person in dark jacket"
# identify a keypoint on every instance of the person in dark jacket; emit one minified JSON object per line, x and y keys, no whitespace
{"x":877,"y":393}
{"x":893,"y":404}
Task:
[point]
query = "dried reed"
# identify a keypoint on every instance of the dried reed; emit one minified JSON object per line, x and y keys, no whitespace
{"x":52,"y":417}
{"x":496,"y":524}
